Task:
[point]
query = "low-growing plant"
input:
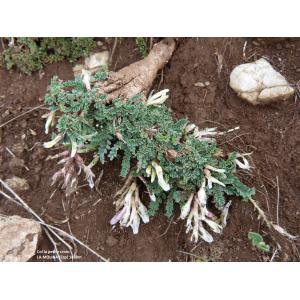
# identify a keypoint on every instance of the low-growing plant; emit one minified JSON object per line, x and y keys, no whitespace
{"x":142,"y":46}
{"x":31,"y":54}
{"x":174,"y":161}
{"x":258,"y":241}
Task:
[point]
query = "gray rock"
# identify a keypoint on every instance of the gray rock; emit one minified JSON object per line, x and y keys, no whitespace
{"x":18,"y":238}
{"x":17,"y":183}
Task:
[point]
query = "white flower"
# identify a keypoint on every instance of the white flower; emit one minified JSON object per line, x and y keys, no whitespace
{"x":149,"y":171}
{"x":50,"y":120}
{"x":222,"y":171}
{"x":52,"y":143}
{"x":74,"y":148}
{"x":134,"y":221}
{"x":86,"y":79}
{"x":217,"y":228}
{"x":202,"y":194}
{"x":190,"y":127}
{"x":133,"y":210}
{"x":153,"y":175}
{"x":205,"y":134}
{"x":224,"y":214}
{"x":159,"y":172}
{"x":186,"y":207}
{"x":204,"y":234}
{"x":158,"y":98}
{"x":211,"y":179}
{"x":245,"y":164}
{"x":143,"y":212}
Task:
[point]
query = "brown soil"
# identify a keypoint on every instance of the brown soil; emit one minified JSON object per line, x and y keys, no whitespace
{"x":270,"y":132}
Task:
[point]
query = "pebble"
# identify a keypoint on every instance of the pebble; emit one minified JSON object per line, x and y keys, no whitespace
{"x":32,"y":132}
{"x":111,"y":241}
{"x":279,"y":47}
{"x":199,"y":84}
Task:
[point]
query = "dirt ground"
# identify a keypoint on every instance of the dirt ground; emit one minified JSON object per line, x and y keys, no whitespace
{"x":271,"y":132}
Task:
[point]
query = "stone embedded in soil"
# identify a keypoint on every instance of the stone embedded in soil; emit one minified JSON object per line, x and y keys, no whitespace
{"x":92,"y":63}
{"x":18,"y":238}
{"x":111,"y":241}
{"x":97,"y":60}
{"x":259,"y":83}
{"x":17,"y":183}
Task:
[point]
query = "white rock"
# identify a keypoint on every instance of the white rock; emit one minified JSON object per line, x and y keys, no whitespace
{"x":258,"y":82}
{"x":97,"y":60}
{"x":92,"y":63}
{"x":18,"y":238}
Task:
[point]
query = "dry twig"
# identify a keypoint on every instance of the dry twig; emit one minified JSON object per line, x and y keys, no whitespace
{"x":49,"y":228}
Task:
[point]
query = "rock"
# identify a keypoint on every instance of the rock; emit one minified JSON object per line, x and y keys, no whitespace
{"x":97,"y":60}
{"x":258,"y":83}
{"x":18,"y":238}
{"x":111,"y":241}
{"x":17,"y":183}
{"x":199,"y":84}
{"x":92,"y":63}
{"x":77,"y":70}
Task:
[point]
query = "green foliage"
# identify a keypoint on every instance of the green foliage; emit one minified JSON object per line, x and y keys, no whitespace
{"x":140,"y":134}
{"x":31,"y":54}
{"x":141,"y":43}
{"x":257,"y":241}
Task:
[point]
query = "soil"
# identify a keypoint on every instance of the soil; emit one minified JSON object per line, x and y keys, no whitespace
{"x":271,"y":132}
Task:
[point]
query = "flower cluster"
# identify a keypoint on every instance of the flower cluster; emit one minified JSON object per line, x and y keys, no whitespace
{"x":197,"y":213}
{"x":130,"y":209}
{"x":72,"y":167}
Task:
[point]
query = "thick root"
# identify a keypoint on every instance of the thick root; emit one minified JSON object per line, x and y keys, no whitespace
{"x":138,"y":77}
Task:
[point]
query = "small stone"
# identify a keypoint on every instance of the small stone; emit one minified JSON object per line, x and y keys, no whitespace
{"x":207,"y":83}
{"x":17,"y":183}
{"x":32,"y":132}
{"x":111,"y":241}
{"x":23,"y":136}
{"x":99,"y":43}
{"x":77,"y":70}
{"x":97,"y":60}
{"x":279,"y":47}
{"x":199,"y":84}
{"x":259,"y":83}
{"x":18,"y":238}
